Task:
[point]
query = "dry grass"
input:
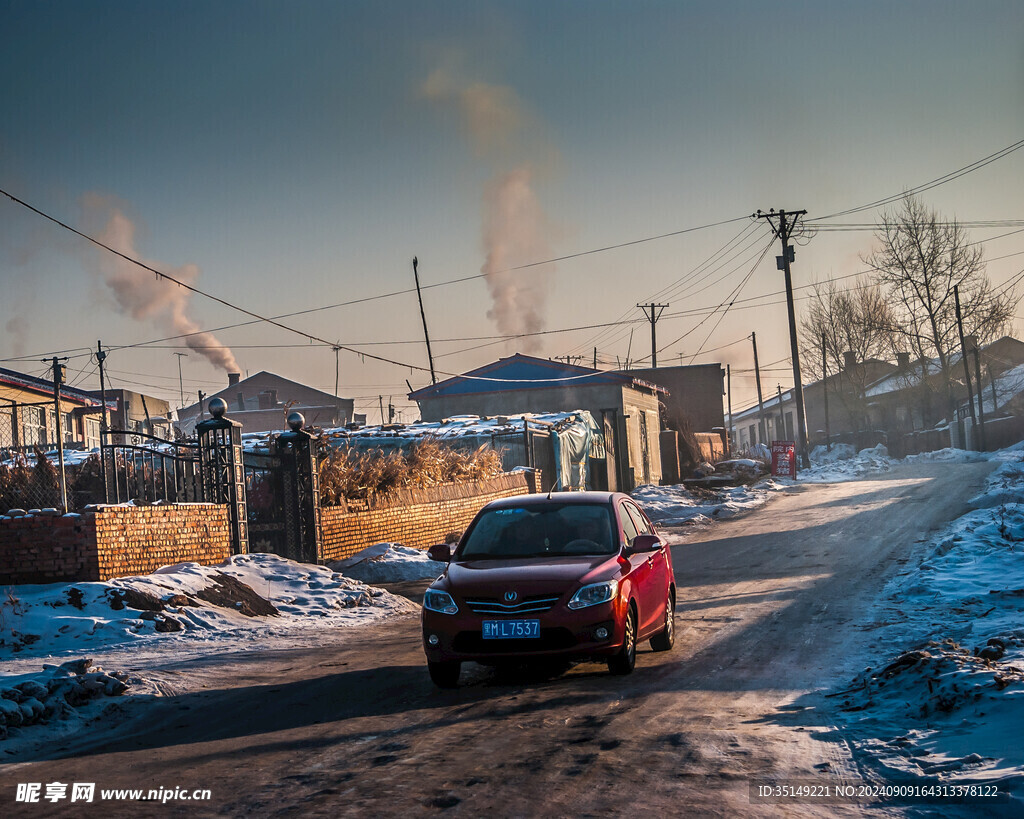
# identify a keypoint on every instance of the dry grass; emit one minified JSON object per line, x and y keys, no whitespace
{"x":347,"y":475}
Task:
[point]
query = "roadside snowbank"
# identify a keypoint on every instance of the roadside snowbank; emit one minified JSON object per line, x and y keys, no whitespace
{"x":389,"y":563}
{"x":679,"y":506}
{"x":948,"y":704}
{"x":181,"y":612}
{"x":252,"y":595}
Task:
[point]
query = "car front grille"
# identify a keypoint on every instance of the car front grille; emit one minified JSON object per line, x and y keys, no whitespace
{"x":528,"y":605}
{"x":551,"y":639}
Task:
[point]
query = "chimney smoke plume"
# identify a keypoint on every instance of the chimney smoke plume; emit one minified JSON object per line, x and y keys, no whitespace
{"x":142,"y":295}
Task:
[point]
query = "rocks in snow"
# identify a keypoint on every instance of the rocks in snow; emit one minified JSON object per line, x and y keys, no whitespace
{"x":70,"y":685}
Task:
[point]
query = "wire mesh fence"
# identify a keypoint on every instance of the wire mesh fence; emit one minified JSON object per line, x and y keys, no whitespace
{"x":29,"y":470}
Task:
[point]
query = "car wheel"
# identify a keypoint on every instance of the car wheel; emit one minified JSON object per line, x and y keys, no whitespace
{"x":666,"y":638}
{"x":445,"y":674}
{"x":625,"y":660}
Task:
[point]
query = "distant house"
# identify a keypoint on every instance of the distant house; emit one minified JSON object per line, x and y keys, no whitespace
{"x":873,"y":401}
{"x":624,"y":406}
{"x":135,"y":412}
{"x":28,"y":417}
{"x":261,"y":403}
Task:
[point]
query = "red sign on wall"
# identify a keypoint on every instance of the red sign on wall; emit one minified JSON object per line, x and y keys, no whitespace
{"x":784,"y":458}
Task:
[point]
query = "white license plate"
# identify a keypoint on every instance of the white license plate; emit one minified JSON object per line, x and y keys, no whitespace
{"x":511,"y":629}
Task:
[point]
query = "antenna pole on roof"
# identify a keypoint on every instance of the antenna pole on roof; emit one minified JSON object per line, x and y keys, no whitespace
{"x":423,"y":315}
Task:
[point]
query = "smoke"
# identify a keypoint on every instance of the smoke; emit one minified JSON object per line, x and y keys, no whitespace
{"x":143,"y":295}
{"x":515,"y":232}
{"x":18,"y":328}
{"x":515,"y":229}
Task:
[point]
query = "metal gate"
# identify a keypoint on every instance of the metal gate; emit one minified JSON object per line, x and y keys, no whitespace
{"x":282,"y":489}
{"x":143,"y":467}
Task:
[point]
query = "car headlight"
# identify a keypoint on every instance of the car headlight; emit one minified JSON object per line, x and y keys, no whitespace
{"x":594,"y":593}
{"x":439,"y":601}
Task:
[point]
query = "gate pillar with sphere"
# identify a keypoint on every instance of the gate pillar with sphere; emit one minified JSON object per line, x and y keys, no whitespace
{"x":222,"y":471}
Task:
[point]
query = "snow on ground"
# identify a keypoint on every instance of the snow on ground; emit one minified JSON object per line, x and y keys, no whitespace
{"x":679,"y":506}
{"x":255,"y":601}
{"x":389,"y":563}
{"x":946,"y":702}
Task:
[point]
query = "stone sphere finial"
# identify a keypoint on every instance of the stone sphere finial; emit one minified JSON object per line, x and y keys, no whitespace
{"x":296,"y":421}
{"x":217,"y":407}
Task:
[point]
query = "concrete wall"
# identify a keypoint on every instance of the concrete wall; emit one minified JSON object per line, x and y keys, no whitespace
{"x":111,"y":541}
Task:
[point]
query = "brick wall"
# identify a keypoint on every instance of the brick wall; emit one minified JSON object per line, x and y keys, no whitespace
{"x":111,"y":541}
{"x":417,"y":518}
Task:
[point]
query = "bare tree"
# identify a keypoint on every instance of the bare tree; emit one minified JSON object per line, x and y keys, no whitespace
{"x":838,"y":321}
{"x":856,"y":320}
{"x":920,"y":259}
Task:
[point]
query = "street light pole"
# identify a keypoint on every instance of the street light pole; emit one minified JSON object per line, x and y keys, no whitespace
{"x":181,"y":383}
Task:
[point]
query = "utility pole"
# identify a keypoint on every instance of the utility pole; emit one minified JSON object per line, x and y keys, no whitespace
{"x":59,"y":377}
{"x":381,"y":399}
{"x":652,"y":317}
{"x":963,"y":357}
{"x":595,"y":358}
{"x":423,"y":315}
{"x":824,"y":392}
{"x":760,"y":397}
{"x":337,"y":369}
{"x":100,"y":358}
{"x":728,"y":392}
{"x":782,"y":415}
{"x":181,"y":383}
{"x":784,"y":230}
{"x":981,"y":405}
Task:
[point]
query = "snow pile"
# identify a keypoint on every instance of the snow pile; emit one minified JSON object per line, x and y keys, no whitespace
{"x":950,"y":704}
{"x":839,"y":452}
{"x":842,"y":465}
{"x":389,"y":563}
{"x":256,"y":595}
{"x":679,"y":506}
{"x":55,"y":694}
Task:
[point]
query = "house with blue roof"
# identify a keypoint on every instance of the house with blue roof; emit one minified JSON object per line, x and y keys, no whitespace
{"x":625,"y":407}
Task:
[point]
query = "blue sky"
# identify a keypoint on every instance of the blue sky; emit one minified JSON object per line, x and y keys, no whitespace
{"x":295,"y":155}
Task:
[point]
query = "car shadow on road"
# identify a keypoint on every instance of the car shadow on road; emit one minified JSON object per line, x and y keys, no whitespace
{"x":272,"y":711}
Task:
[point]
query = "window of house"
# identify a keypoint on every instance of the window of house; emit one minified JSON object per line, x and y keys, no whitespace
{"x":92,"y":432}
{"x":33,"y":426}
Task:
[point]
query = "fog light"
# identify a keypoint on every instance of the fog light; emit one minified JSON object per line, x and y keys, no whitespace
{"x":432,"y":640}
{"x":601,"y":633}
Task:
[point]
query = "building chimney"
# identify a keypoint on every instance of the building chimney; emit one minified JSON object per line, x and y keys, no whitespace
{"x":849,"y":360}
{"x":903,"y":361}
{"x":233,"y":378}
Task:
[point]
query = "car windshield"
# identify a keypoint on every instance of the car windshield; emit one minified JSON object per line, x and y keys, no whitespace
{"x":549,"y":530}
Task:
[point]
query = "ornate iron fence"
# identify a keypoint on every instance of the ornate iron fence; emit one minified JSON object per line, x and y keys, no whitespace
{"x":143,"y":467}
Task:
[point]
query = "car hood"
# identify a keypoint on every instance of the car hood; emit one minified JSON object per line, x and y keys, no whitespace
{"x":492,"y":578}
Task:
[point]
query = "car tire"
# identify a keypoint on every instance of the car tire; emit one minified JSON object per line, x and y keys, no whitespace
{"x":445,"y":674}
{"x":666,"y":638}
{"x":624,"y":661}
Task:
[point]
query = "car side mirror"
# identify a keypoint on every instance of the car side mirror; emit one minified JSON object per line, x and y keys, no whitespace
{"x":441,"y":552}
{"x":646,"y":543}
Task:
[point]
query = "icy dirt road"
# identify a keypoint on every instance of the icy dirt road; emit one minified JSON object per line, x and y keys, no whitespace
{"x":771,"y":607}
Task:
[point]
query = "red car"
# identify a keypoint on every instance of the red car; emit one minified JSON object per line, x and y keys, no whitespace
{"x":564,"y":575}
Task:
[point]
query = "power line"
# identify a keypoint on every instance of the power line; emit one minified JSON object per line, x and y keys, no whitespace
{"x":941,"y":180}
